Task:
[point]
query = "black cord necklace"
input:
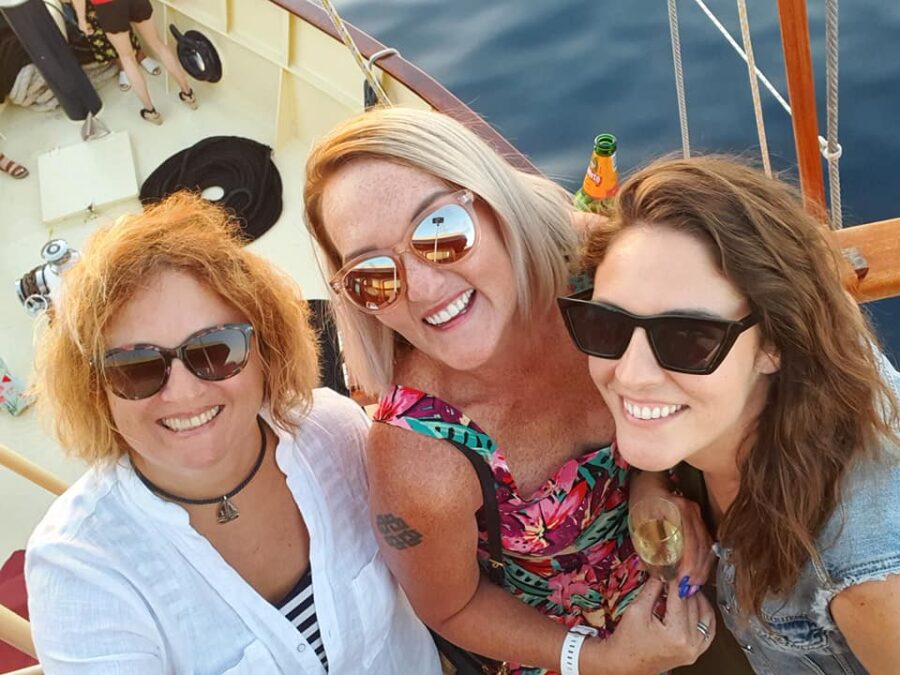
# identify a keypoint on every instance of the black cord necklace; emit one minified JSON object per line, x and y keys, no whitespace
{"x":227,"y":510}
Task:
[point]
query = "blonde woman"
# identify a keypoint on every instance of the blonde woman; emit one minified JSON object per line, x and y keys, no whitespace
{"x":445,"y":263}
{"x":222,"y":526}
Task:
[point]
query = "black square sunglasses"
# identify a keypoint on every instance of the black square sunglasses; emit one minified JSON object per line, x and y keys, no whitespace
{"x":680,"y":343}
{"x":213,"y":354}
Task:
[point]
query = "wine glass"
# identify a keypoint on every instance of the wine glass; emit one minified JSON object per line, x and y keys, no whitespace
{"x":656,"y":532}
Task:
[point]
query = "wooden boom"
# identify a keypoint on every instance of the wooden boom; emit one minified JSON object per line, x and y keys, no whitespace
{"x":801,"y":90}
{"x":873,"y":255}
{"x":872,"y":251}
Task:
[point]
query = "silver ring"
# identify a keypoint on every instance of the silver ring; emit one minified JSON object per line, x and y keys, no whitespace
{"x":704,"y":629}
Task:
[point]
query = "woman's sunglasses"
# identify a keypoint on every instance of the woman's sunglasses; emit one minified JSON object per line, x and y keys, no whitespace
{"x":212,"y":354}
{"x":442,"y":235}
{"x":683,"y":344}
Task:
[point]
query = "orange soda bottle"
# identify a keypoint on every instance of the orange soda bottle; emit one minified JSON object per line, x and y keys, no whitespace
{"x":601,"y":180}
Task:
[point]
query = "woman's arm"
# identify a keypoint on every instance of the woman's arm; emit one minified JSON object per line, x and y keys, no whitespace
{"x":424,"y":495}
{"x":87,"y":619}
{"x":868,"y":615}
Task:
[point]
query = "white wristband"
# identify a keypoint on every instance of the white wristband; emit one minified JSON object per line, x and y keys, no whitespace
{"x":571,"y":648}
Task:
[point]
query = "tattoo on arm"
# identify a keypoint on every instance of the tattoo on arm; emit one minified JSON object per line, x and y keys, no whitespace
{"x":396,"y":532}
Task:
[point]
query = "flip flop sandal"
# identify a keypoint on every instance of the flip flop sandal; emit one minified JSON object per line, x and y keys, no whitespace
{"x":151,"y":115}
{"x":124,"y":83}
{"x":11,"y":167}
{"x":188,"y":99}
{"x":151,"y":65}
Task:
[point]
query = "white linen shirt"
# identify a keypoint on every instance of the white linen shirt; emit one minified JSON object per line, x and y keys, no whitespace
{"x":119,"y":582}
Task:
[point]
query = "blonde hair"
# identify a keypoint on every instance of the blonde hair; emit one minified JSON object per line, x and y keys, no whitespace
{"x":533,"y":213}
{"x":187,"y":234}
{"x":827,"y":405}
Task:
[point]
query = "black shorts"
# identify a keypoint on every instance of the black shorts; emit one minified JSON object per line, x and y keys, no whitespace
{"x":118,"y":15}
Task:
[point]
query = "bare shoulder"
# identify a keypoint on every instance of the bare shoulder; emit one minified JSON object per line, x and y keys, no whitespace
{"x":865,"y":613}
{"x":867,"y":597}
{"x":412,"y":471}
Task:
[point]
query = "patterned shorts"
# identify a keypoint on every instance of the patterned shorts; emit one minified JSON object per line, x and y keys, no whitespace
{"x":103,"y":51}
{"x":117,"y":16}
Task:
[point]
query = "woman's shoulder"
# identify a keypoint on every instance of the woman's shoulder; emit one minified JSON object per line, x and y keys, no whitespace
{"x":78,"y":513}
{"x":329,"y":436}
{"x":90,"y":536}
{"x":861,"y":539}
{"x":328,"y":405}
{"x":407,"y":449}
{"x":330,"y":418}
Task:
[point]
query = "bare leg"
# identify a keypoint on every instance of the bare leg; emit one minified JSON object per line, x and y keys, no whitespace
{"x":122,"y":44}
{"x":153,"y":42}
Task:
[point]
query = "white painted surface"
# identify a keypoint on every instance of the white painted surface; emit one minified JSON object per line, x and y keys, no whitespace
{"x":88,"y":174}
{"x":286,"y":96}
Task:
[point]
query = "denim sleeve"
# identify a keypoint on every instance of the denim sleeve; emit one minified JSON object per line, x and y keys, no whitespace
{"x":861,"y":541}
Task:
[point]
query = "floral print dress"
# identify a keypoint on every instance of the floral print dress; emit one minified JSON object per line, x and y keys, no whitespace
{"x":566,"y":547}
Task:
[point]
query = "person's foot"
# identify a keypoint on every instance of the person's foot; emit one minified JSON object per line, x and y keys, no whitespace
{"x":124,"y":82}
{"x":189,"y":99}
{"x":151,"y":115}
{"x":151,"y":65}
{"x":14,"y":169}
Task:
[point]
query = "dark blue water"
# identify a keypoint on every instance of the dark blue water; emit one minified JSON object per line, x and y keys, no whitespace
{"x":550,"y":75}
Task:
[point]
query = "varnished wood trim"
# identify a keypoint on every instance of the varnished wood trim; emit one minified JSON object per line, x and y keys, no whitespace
{"x":879,"y":244}
{"x":429,"y":89}
{"x":801,"y":89}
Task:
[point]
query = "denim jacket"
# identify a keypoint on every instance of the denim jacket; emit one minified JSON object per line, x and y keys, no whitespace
{"x":859,"y":543}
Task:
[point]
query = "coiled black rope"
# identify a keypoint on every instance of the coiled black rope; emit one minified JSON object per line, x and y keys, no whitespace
{"x":241,"y":167}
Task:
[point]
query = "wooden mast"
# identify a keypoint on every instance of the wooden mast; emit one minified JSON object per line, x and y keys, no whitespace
{"x":801,"y":91}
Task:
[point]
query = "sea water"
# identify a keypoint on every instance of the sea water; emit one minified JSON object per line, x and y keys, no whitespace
{"x":551,"y":74}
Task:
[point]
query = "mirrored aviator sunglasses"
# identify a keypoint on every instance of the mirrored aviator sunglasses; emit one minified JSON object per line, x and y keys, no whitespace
{"x":140,"y":371}
{"x":442,"y":235}
{"x":680,"y":343}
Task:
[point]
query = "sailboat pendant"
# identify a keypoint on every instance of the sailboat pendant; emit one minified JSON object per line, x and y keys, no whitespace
{"x":227,"y":511}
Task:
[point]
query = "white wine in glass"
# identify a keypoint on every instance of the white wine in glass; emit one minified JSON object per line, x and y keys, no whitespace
{"x":655,"y":526}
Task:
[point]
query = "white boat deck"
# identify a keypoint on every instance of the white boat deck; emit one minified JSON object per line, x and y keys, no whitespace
{"x":30,"y":134}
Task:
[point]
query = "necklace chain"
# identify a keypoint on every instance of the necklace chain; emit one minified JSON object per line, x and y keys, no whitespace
{"x":227,"y":511}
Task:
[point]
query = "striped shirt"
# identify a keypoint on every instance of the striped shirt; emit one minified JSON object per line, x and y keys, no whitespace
{"x":298,"y":607}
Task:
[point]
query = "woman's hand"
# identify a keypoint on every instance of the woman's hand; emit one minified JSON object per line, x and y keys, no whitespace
{"x":85,"y":27}
{"x":698,"y":557}
{"x":644,"y":645}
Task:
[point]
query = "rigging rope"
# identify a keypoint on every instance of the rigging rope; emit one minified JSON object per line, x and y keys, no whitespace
{"x":754,"y":88}
{"x":832,"y":151}
{"x":762,"y":77}
{"x":347,"y":39}
{"x":679,"y":79}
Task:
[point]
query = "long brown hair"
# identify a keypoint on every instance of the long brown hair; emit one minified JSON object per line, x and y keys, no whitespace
{"x":186,"y":233}
{"x":827,"y":406}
